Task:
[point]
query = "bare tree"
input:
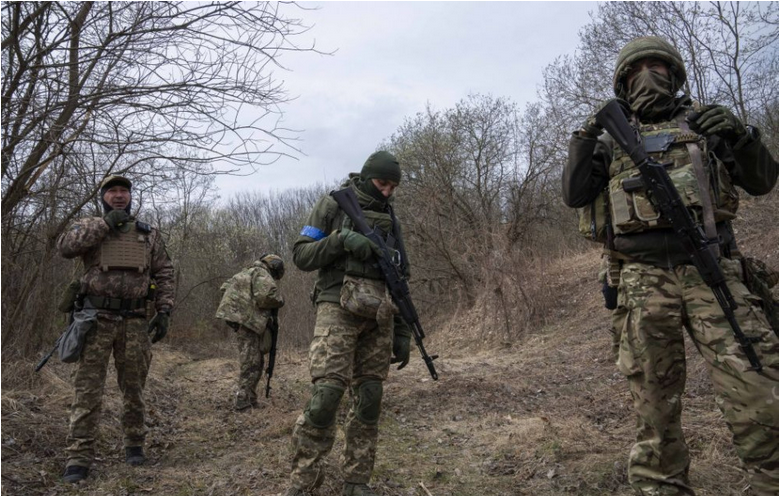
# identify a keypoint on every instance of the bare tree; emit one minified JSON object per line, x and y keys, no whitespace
{"x":162,"y":92}
{"x":730,"y":51}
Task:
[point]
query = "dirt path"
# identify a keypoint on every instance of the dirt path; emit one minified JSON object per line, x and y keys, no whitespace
{"x":548,"y":417}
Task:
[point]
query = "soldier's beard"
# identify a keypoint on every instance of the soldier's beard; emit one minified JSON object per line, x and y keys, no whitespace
{"x":651,"y":96}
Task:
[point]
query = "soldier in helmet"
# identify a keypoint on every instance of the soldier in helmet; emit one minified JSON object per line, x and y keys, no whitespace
{"x":249,"y":306}
{"x":122,"y":259}
{"x":659,"y":290}
{"x":356,"y":331}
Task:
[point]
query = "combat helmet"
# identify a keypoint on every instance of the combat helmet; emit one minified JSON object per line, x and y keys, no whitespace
{"x":648,"y":46}
{"x":275,"y":265}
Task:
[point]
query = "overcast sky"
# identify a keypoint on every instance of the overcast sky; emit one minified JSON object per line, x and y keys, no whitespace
{"x":390,"y":60}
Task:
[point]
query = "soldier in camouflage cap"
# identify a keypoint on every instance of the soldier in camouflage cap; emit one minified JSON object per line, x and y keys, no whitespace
{"x":249,"y":300}
{"x":659,"y":291}
{"x":122,"y":258}
{"x":356,"y":331}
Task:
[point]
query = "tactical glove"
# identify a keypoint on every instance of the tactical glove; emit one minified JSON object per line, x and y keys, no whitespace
{"x":116,"y":218}
{"x":159,"y":325}
{"x":591,"y":128}
{"x":401,"y":350}
{"x":357,"y":244}
{"x":718,"y":120}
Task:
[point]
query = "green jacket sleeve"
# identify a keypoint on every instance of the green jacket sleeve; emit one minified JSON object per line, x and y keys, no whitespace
{"x":751,"y":166}
{"x":586,"y":172}
{"x":318,"y":244}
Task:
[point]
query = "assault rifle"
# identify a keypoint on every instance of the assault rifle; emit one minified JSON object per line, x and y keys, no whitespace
{"x":273,"y":328}
{"x":398,"y":287}
{"x":662,"y":190}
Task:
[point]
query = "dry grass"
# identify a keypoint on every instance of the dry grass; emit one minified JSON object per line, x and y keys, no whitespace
{"x":535,"y":407}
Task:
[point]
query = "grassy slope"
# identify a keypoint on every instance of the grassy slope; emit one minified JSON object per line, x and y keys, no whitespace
{"x":546,"y":414}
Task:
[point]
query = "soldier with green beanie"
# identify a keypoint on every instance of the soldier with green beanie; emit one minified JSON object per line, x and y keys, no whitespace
{"x":122,"y":258}
{"x":357,"y":334}
{"x":708,"y":152}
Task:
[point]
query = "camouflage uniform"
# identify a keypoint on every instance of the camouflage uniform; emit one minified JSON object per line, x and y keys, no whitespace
{"x":660,"y":291}
{"x":121,"y":332}
{"x":347,"y":350}
{"x":247,"y":303}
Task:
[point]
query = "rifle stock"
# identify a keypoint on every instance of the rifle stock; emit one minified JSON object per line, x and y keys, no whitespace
{"x":660,"y":186}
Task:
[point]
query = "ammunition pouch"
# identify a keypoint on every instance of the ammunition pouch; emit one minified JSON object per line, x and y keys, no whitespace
{"x":609,"y":277}
{"x":594,"y":218}
{"x":363,"y":296}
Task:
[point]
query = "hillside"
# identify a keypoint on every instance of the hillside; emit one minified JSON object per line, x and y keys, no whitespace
{"x":547,"y":414}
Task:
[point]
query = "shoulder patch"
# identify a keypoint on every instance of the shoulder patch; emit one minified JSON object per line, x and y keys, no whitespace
{"x":313,"y":232}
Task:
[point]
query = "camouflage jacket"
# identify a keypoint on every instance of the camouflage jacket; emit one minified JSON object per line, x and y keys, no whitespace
{"x":248,"y":297}
{"x":587,"y":172}
{"x":84,"y":239}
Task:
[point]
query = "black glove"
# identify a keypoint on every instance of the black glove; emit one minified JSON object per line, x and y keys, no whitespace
{"x":159,"y":325}
{"x":357,"y":244}
{"x":591,"y":127}
{"x":401,"y":350}
{"x":718,"y":120}
{"x":116,"y":218}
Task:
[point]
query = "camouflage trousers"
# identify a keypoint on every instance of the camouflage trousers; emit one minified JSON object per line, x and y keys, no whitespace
{"x":654,"y":306}
{"x":346,"y":350}
{"x":130,"y":343}
{"x":252,"y":348}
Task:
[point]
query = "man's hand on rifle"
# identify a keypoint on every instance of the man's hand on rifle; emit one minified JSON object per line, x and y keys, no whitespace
{"x":401,"y":350}
{"x":717,"y":120}
{"x":358,"y":245}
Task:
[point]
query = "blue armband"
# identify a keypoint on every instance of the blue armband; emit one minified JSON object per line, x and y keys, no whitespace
{"x":313,"y":232}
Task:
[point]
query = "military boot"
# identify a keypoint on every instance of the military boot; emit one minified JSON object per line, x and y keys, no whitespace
{"x":357,"y":489}
{"x":134,"y":456}
{"x":75,"y":474}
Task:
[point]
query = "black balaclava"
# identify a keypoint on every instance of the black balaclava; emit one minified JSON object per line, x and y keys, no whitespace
{"x":379,"y":165}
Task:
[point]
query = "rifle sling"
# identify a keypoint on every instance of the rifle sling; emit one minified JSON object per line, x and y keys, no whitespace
{"x":708,"y":214}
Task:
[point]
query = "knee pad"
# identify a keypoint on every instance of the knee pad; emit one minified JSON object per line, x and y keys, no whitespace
{"x":321,"y":411}
{"x":367,"y":398}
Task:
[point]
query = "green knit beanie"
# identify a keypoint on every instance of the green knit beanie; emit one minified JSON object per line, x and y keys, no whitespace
{"x":382,"y":165}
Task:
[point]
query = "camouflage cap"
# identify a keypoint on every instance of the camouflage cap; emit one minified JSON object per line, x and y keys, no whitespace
{"x":275,"y":265}
{"x":114,"y":180}
{"x":648,"y":46}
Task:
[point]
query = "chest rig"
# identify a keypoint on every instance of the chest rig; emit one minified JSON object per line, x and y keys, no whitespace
{"x":125,"y":250}
{"x":385,"y":224}
{"x":698,"y":175}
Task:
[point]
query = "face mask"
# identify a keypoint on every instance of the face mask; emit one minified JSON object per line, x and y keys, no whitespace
{"x":369,"y":188}
{"x":650,"y":94}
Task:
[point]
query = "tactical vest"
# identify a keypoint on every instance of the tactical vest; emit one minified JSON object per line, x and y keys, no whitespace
{"x":381,"y":222}
{"x":631,"y":208}
{"x":126,"y":250}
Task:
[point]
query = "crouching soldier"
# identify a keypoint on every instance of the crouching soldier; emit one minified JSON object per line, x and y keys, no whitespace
{"x":249,"y":305}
